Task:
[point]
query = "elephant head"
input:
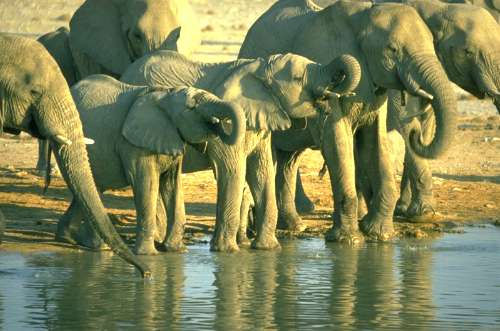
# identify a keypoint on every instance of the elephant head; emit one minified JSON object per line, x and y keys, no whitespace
{"x":274,"y":89}
{"x":395,"y":50}
{"x":162,"y":121}
{"x":35,"y":98}
{"x":270,"y":90}
{"x":467,"y":41}
{"x":114,"y":33}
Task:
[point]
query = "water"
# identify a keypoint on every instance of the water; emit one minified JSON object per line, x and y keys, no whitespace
{"x":449,"y":283}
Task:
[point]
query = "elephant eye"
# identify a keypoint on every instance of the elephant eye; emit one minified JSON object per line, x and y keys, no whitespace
{"x":35,"y":93}
{"x":137,"y":36}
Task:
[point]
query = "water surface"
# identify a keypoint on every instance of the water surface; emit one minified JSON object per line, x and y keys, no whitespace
{"x":452,"y":282}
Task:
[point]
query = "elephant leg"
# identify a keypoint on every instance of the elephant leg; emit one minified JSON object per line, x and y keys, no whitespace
{"x":419,"y":176}
{"x":145,"y":185}
{"x":43,"y":151}
{"x":173,"y":199}
{"x":286,"y":175}
{"x":246,"y":214}
{"x":405,"y":188}
{"x":338,"y":152}
{"x":261,"y":180}
{"x":376,"y":163}
{"x":230,"y":167}
{"x":69,"y":224}
{"x":161,"y":220}
{"x":303,"y":204}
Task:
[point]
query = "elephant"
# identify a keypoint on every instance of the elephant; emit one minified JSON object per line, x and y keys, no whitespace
{"x":139,"y":134}
{"x":391,"y":56}
{"x":106,"y":36}
{"x":467,"y":42}
{"x":273,"y":92}
{"x":35,"y":98}
{"x":492,"y":6}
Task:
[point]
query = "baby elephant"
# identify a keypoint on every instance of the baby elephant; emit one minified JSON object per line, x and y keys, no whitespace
{"x":140,"y":135}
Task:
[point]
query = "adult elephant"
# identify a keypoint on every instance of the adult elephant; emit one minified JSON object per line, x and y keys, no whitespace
{"x":140,"y":136}
{"x":35,"y":98}
{"x":467,"y":42}
{"x":106,"y":36}
{"x":272,"y":92}
{"x":392,"y":56}
{"x":492,"y":6}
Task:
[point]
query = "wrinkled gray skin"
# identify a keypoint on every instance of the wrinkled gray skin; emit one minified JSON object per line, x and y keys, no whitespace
{"x":106,"y":36}
{"x":392,"y":56}
{"x":493,"y":6}
{"x":140,"y":137}
{"x":35,"y":98}
{"x":271,"y":92}
{"x":467,"y":41}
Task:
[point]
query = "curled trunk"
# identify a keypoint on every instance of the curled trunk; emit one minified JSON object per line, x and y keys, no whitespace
{"x":75,"y":168}
{"x":223,"y":111}
{"x":343,"y":74}
{"x":424,"y":76}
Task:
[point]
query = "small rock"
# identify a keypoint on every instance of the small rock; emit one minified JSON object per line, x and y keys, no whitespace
{"x":456,"y":189}
{"x":207,"y":28}
{"x":489,"y":205}
{"x":21,"y":174}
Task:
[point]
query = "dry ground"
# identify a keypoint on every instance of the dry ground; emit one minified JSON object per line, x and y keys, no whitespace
{"x":466,"y":181}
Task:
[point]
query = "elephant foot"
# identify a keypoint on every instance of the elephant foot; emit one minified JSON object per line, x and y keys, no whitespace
{"x":91,"y":241}
{"x":242,"y":240}
{"x":378,"y":228}
{"x":222,"y":244}
{"x":346,"y":235}
{"x":176,"y":246}
{"x":145,"y":246}
{"x":401,"y":209}
{"x":420,"y":211}
{"x":266,"y":242}
{"x":63,"y":235}
{"x":291,"y":222}
{"x":303,"y":204}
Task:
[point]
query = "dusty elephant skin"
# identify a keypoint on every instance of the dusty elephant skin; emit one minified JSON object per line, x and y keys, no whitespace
{"x":106,"y":36}
{"x":35,"y":98}
{"x":391,"y":57}
{"x":467,"y":42}
{"x":271,"y":92}
{"x":140,"y":135}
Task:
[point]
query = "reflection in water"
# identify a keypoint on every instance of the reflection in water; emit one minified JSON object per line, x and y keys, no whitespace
{"x":305,"y":285}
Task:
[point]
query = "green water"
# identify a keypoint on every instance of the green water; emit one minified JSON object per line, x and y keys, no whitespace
{"x":449,"y":283}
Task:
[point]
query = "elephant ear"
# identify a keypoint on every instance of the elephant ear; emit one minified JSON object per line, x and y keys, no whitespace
{"x":148,"y":126}
{"x":330,"y":34}
{"x":96,"y":30}
{"x":57,"y":43}
{"x":247,"y":86}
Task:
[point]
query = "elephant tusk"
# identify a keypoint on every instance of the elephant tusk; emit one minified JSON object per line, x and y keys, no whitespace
{"x":350,"y":94}
{"x":424,"y":94}
{"x":62,"y":139}
{"x":88,"y":141}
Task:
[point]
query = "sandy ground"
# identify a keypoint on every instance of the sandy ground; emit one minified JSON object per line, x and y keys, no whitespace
{"x":466,"y":181}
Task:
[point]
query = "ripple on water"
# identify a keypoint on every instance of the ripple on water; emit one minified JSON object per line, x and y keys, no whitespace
{"x":451,"y":282}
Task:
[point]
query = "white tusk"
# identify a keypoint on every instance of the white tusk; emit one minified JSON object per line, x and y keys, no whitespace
{"x":424,"y":94}
{"x":88,"y":141}
{"x":62,"y":139}
{"x":350,"y":94}
{"x":330,"y":95}
{"x":214,"y":120}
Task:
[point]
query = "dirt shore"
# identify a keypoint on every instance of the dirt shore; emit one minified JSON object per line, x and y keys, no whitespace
{"x":466,"y":180}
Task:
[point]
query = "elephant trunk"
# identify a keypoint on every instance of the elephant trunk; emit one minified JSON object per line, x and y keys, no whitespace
{"x":342,"y":74}
{"x":71,"y":156}
{"x":423,"y":76}
{"x":487,"y":78}
{"x":217,"y":112}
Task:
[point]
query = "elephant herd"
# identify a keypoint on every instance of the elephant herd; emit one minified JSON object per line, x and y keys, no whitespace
{"x":120,"y":103}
